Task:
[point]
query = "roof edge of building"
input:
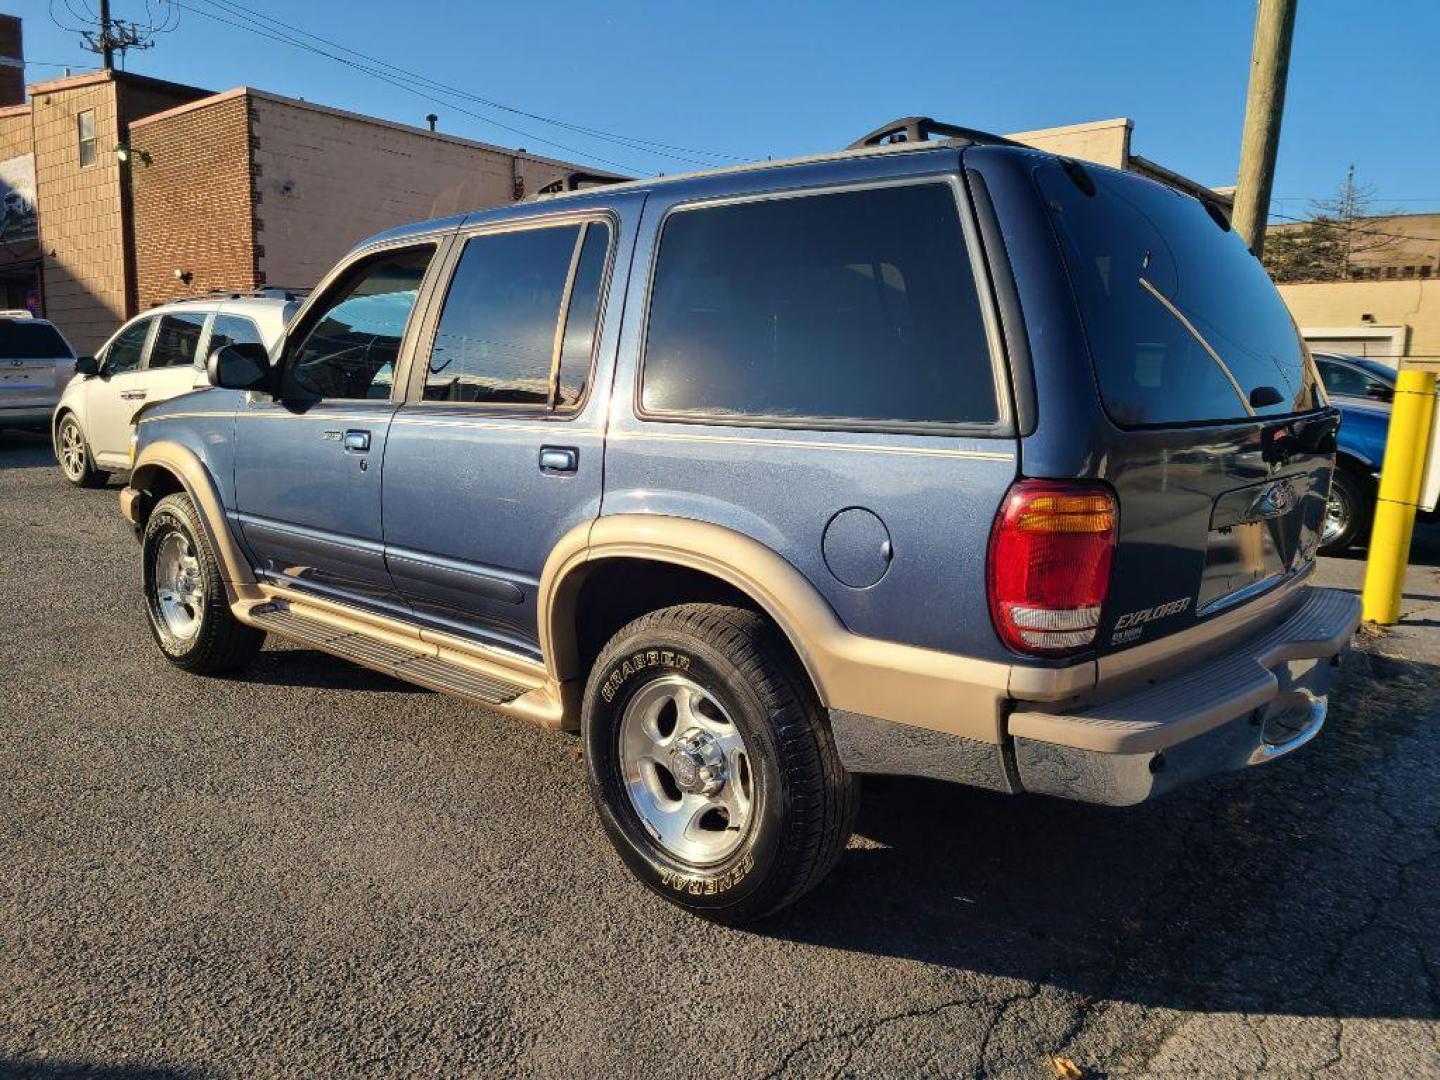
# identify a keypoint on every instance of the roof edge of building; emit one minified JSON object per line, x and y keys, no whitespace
{"x":328,"y":110}
{"x":88,"y":78}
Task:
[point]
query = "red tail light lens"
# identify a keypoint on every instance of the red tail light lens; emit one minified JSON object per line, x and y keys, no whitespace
{"x":1049,"y":568}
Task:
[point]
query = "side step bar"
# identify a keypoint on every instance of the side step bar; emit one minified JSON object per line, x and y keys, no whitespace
{"x":424,"y":668}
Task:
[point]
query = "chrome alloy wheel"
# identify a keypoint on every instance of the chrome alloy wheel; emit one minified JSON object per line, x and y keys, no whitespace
{"x":686,"y":770}
{"x":72,"y":451}
{"x":1337,"y":515}
{"x":179,"y":587}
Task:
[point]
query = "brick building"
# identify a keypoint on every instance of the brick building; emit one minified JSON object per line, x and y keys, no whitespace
{"x":119,"y":191}
{"x":248,"y":188}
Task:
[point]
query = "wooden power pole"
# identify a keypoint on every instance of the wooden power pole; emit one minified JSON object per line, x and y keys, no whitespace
{"x":107,"y":43}
{"x":1264,"y":104}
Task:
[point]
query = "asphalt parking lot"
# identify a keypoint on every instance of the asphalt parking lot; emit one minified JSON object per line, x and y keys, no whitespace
{"x":313,"y":870}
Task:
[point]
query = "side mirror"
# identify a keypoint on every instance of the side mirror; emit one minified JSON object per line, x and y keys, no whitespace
{"x":87,"y":366}
{"x":1264,"y":396}
{"x":1380,"y":392}
{"x":244,"y":366}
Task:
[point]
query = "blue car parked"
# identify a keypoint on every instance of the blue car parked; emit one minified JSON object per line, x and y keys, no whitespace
{"x":1362,"y":390}
{"x":938,"y":455}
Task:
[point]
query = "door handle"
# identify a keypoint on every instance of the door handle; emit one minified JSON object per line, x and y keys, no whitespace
{"x":357,"y":442}
{"x":558,"y":459}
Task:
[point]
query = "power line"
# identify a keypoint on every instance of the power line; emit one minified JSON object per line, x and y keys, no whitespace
{"x":1359,"y":229}
{"x":434,"y":91}
{"x":631,"y":141}
{"x":411,"y":89}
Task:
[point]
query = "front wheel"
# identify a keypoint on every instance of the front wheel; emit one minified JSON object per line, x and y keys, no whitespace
{"x":1347,"y":513}
{"x":185,"y":595}
{"x":74,"y":454}
{"x":712,"y":763}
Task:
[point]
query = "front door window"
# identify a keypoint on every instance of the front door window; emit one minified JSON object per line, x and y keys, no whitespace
{"x":351,"y":343}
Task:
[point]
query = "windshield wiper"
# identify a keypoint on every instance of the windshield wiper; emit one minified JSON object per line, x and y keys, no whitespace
{"x":1240,"y":394}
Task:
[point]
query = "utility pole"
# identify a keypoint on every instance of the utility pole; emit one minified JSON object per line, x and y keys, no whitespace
{"x":1264,"y":104}
{"x":115,"y":35}
{"x":106,"y":42}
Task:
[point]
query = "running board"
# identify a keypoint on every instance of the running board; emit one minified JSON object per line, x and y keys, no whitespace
{"x":427,"y":668}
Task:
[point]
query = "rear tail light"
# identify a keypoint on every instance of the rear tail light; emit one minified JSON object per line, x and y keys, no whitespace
{"x":1049,"y":566}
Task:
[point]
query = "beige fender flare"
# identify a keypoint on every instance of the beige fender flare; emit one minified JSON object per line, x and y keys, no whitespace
{"x":889,"y":680}
{"x":166,"y":456}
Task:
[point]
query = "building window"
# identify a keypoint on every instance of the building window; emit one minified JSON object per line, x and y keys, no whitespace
{"x":1408,"y":271}
{"x":86,"y":127}
{"x":1426,"y":270}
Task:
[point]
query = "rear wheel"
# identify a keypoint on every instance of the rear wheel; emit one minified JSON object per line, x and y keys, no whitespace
{"x":1347,"y":512}
{"x":185,"y":595}
{"x":712,"y":763}
{"x":74,"y":455}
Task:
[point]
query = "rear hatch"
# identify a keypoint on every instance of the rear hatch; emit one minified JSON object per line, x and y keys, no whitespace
{"x":1216,"y":436}
{"x":35,"y":364}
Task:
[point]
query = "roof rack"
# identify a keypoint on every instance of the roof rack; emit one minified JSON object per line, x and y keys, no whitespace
{"x":573,"y":181}
{"x":920,"y":128}
{"x":264,"y":292}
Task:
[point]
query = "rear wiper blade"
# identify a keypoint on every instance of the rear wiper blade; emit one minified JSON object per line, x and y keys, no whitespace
{"x":1240,"y":394}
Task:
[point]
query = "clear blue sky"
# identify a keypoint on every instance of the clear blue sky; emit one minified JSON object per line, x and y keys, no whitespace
{"x":783,"y":77}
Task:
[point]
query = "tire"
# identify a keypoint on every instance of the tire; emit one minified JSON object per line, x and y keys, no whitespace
{"x":72,"y":450}
{"x":706,"y":689}
{"x":185,"y":596}
{"x":1348,"y":512}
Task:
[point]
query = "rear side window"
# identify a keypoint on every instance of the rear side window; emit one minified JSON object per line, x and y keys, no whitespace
{"x":1183,"y":322}
{"x":858,"y":308}
{"x":500,"y":340}
{"x":177,"y":341}
{"x":23,"y":340}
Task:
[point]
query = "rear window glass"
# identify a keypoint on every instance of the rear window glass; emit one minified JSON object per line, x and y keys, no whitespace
{"x":21,"y":340}
{"x":858,"y":307}
{"x":1183,"y":322}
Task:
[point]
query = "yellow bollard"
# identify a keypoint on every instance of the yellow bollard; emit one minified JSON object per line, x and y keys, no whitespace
{"x":1400,"y":477}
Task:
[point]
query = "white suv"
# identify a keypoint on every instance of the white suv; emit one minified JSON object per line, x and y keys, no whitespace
{"x":153,"y":357}
{"x":35,"y":364}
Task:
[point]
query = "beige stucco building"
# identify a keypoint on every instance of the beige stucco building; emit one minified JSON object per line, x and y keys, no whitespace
{"x":1397,"y":321}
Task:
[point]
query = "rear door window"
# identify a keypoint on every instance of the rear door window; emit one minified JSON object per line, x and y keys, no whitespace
{"x":1183,"y":322}
{"x":24,"y":340}
{"x":177,"y":342}
{"x":501,"y":339}
{"x":845,"y":309}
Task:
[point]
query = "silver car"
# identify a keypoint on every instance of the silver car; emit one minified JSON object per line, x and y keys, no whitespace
{"x":36,"y":362}
{"x":153,"y":357}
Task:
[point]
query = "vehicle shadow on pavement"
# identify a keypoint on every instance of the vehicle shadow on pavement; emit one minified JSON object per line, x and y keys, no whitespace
{"x":1424,"y":547}
{"x":26,"y":450}
{"x":1310,"y":886}
{"x":20,"y":1069}
{"x":283,"y":664}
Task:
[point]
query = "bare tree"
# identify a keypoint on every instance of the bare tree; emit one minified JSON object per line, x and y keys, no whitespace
{"x":1325,"y":246}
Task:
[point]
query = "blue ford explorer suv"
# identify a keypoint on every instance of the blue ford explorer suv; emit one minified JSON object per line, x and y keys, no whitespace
{"x":935,"y":456}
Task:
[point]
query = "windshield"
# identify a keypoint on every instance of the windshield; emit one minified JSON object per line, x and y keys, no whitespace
{"x":1183,"y":323}
{"x":21,"y":340}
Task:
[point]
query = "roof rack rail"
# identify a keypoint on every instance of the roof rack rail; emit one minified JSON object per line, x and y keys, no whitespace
{"x":264,"y":292}
{"x":573,"y":181}
{"x":920,"y":128}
